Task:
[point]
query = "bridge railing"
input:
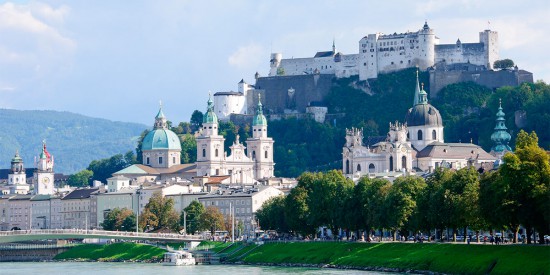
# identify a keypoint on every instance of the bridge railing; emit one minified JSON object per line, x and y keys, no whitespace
{"x":95,"y":232}
{"x":35,"y":246}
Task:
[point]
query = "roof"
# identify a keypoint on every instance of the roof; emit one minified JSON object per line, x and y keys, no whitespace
{"x":118,"y":177}
{"x":454,"y":151}
{"x":236,"y":191}
{"x":161,"y":139}
{"x":20,"y":197}
{"x":217,"y":179}
{"x":187,"y":167}
{"x":324,"y":54}
{"x":80,"y":194}
{"x":137,"y":169}
{"x":465,"y":46}
{"x":228,"y":93}
{"x":423,"y":114}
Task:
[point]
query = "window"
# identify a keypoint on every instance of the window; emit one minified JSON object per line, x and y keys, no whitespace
{"x":203,"y":153}
{"x":434,"y":135}
{"x":160,"y":160}
{"x":147,"y":160}
{"x":173,"y":159}
{"x":371,"y":168}
{"x":358,"y":167}
{"x":419,"y":134}
{"x":391,"y":163}
{"x":216,"y":152}
{"x":217,"y":171}
{"x":265,"y":154}
{"x":404,"y":162}
{"x":347,"y":166}
{"x":253,"y":154}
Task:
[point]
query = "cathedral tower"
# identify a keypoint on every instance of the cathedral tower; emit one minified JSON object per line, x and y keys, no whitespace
{"x":43,"y":178}
{"x":423,"y":120}
{"x":260,"y":146}
{"x":17,"y":173}
{"x":500,"y":136}
{"x":210,"y":145}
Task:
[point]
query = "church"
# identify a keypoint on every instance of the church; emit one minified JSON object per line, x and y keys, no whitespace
{"x":161,"y":154}
{"x":416,"y":146}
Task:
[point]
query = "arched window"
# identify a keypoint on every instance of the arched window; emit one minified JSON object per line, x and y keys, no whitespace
{"x":371,"y":168}
{"x":216,"y":152}
{"x":391,"y":163}
{"x":404,"y":162}
{"x":347,"y":166}
{"x":434,"y":135}
{"x":160,"y":160}
{"x":419,"y":134}
{"x":265,"y":154}
{"x":358,"y":167}
{"x":147,"y":161}
{"x":203,"y":153}
{"x":253,"y":154}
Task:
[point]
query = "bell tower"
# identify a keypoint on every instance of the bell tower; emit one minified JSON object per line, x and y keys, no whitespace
{"x":260,"y":146}
{"x":43,"y":178}
{"x":210,"y":145}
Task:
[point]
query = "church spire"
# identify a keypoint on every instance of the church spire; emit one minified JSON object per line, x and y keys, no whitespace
{"x":333,"y":46}
{"x":210,"y":116}
{"x":500,"y":136}
{"x":160,"y":119}
{"x":259,"y":119}
{"x":416,"y":91}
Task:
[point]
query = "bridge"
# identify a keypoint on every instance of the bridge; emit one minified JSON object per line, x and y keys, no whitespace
{"x":56,"y":234}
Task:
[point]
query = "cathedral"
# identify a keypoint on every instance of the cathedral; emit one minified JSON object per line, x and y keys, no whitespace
{"x":242,"y":166}
{"x":414,"y":146}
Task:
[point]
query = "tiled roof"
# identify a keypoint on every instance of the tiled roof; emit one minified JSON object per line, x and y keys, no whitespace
{"x":454,"y":151}
{"x":80,"y":194}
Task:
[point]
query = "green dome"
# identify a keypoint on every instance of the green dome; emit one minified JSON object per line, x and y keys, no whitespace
{"x":500,"y":136}
{"x":161,"y":139}
{"x":259,"y":118}
{"x":210,"y":116}
{"x":16,"y":158}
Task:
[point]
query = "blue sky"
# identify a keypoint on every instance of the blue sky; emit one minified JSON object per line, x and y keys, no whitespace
{"x":117,"y":59}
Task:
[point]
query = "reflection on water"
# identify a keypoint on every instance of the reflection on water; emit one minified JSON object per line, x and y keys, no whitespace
{"x":153,"y":269}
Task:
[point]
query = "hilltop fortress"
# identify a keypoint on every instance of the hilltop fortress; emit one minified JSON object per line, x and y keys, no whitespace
{"x":298,"y":86}
{"x":381,"y":53}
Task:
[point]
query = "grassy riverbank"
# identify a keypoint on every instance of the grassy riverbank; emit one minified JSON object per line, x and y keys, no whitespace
{"x":443,"y":258}
{"x":113,"y":252}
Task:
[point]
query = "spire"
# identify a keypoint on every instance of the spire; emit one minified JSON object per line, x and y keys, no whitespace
{"x":259,"y":119}
{"x":210,"y":116}
{"x":416,"y":91}
{"x":43,"y":155}
{"x":160,"y":119}
{"x":160,"y":114}
{"x":333,"y":45}
{"x":500,"y":136}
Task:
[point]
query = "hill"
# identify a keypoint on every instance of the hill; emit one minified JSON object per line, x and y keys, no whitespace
{"x":74,"y":140}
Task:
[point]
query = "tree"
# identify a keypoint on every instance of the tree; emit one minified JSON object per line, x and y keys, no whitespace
{"x":120,"y":220}
{"x":527,"y":174}
{"x":159,"y":213}
{"x":80,"y":179}
{"x":272,"y":214}
{"x":400,"y":203}
{"x":104,"y":168}
{"x":211,"y":219}
{"x":503,"y":64}
{"x":193,"y":212}
{"x":139,"y":153}
{"x":188,"y":148}
{"x":297,"y":212}
{"x":370,"y":195}
{"x":196,"y":120}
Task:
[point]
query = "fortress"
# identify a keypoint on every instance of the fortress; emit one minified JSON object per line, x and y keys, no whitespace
{"x":381,"y":53}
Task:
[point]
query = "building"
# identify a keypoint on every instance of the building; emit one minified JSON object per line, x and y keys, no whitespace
{"x":43,"y":178}
{"x":17,"y":178}
{"x":76,"y":208}
{"x":243,"y":165}
{"x":383,"y":53}
{"x":240,"y":200}
{"x":414,"y":146}
{"x":101,"y":204}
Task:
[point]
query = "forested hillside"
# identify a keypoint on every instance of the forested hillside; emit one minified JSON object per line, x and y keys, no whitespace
{"x":73,"y":139}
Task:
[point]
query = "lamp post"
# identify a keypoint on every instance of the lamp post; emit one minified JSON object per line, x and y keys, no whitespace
{"x":138,"y":193}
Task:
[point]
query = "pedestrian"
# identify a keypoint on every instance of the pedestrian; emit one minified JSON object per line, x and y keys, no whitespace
{"x":469,"y":238}
{"x":492,"y":239}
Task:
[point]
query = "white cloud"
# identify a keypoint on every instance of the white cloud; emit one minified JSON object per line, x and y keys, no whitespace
{"x":33,"y":49}
{"x":249,"y":56}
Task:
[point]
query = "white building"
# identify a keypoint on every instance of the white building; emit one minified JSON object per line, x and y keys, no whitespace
{"x":43,"y":178}
{"x":416,"y":145}
{"x":381,"y":53}
{"x":17,"y":178}
{"x":76,"y":208}
{"x":243,"y":165}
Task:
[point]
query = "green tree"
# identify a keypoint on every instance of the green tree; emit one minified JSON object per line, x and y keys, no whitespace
{"x":193,"y":211}
{"x":211,"y":219}
{"x":120,"y":219}
{"x":188,"y":148}
{"x":104,"y":168}
{"x":196,"y":120}
{"x":370,"y":195}
{"x":80,"y":179}
{"x":400,"y":203}
{"x":139,"y":153}
{"x":503,"y":64}
{"x":297,"y":212}
{"x":272,"y":214}
{"x":159,"y":213}
{"x":527,"y":174}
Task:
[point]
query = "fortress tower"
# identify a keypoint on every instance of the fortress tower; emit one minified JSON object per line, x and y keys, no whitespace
{"x":490,"y":46}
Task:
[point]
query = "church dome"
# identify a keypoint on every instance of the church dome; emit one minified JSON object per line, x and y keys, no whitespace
{"x":423,"y":115}
{"x":210,"y":116}
{"x":259,"y":118}
{"x":161,"y":139}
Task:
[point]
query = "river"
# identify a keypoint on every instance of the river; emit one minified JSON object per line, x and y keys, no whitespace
{"x":84,"y":268}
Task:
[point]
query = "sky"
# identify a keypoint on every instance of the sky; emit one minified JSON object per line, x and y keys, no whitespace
{"x":118,"y":59}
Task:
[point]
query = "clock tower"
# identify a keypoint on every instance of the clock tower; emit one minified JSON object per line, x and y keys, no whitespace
{"x":43,"y":176}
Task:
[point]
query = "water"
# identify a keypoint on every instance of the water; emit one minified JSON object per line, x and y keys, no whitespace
{"x":152,"y":269}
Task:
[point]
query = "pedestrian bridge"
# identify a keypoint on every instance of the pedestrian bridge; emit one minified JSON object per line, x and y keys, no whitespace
{"x":56,"y":234}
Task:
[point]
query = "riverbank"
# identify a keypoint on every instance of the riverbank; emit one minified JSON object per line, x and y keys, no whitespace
{"x":404,"y":257}
{"x":116,"y":252}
